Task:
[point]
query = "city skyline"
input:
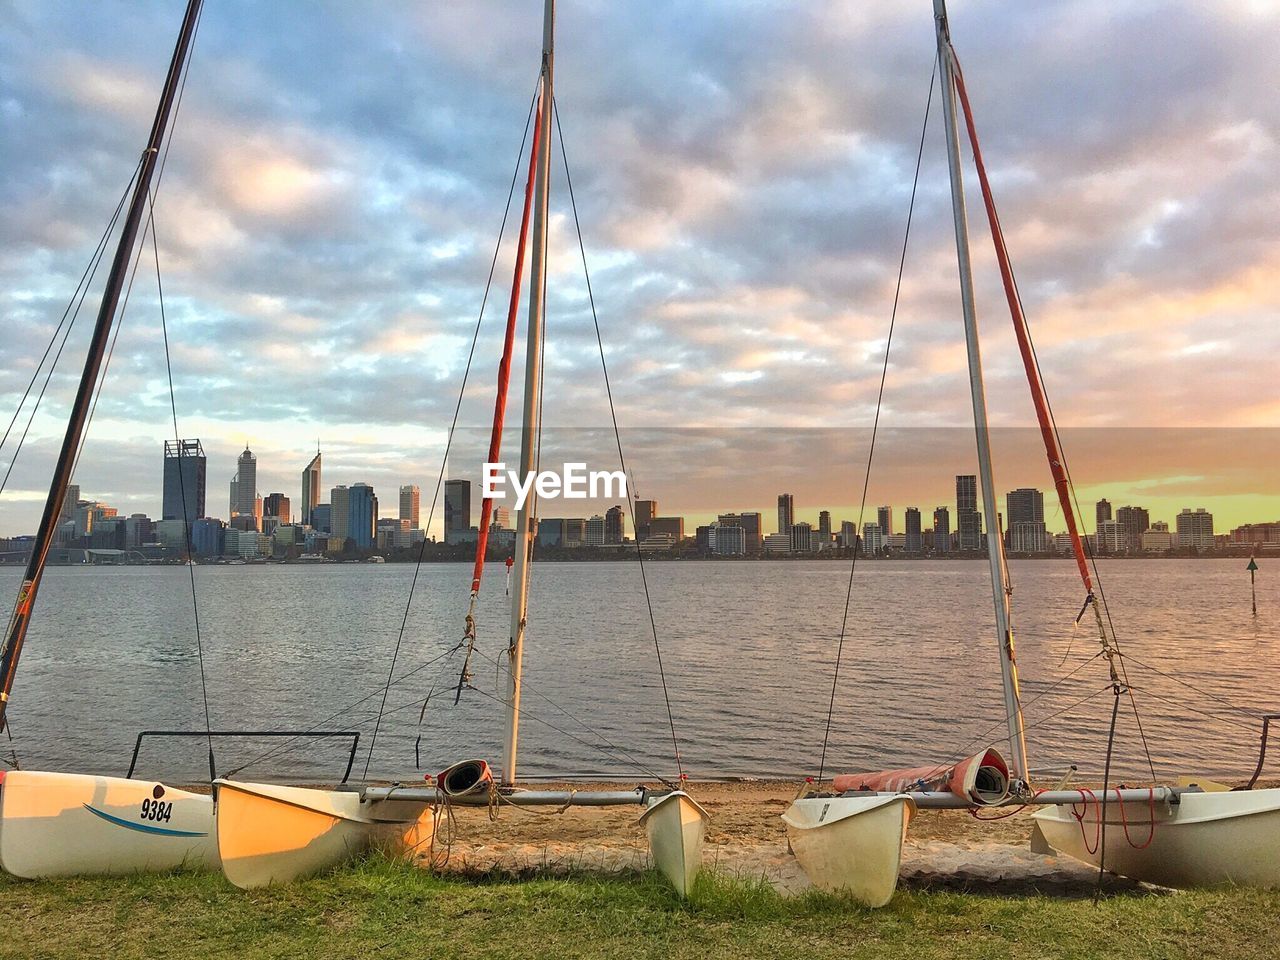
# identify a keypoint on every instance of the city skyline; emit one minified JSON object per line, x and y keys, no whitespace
{"x":316,"y":293}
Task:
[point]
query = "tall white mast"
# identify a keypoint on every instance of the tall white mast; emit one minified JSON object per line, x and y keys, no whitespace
{"x":995,"y":549}
{"x":532,"y":409}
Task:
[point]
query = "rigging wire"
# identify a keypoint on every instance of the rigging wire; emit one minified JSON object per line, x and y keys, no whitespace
{"x":875,"y":425}
{"x":666,"y":696}
{"x":444,"y":462}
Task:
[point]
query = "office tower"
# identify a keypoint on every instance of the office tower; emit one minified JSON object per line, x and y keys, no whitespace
{"x":915,"y":542}
{"x":410,"y":498}
{"x":1158,"y":539}
{"x":941,"y":530}
{"x":615,"y":525}
{"x":646,"y":510}
{"x":968,"y":519}
{"x":872,"y":540}
{"x":575,"y":532}
{"x":457,"y":510}
{"x":362,"y":515}
{"x":824,"y":529}
{"x":803,"y":539}
{"x":1109,"y":537}
{"x":595,"y":531}
{"x":1135,"y":521}
{"x":244,"y":487}
{"x":311,"y":489}
{"x":786,"y":512}
{"x":671,"y":526}
{"x":884,"y":518}
{"x":1195,"y":529}
{"x":1026,"y":532}
{"x":184,"y":477}
{"x":340,"y":511}
{"x":321,"y":515}
{"x":730,"y":541}
{"x":69,"y":503}
{"x":501,"y":517}
{"x":1102,"y":510}
{"x":751,"y":525}
{"x":277,"y":505}
{"x":848,"y":534}
{"x":551,"y":532}
{"x":206,"y":537}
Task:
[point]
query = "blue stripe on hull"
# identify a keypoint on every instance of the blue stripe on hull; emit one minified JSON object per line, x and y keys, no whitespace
{"x":142,"y":827}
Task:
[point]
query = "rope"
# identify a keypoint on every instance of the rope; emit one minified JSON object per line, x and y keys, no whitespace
{"x":617,"y":435}
{"x":182,"y":488}
{"x":444,"y":461}
{"x":875,"y":425}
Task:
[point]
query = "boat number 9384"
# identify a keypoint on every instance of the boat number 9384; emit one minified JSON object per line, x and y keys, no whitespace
{"x":156,"y":810}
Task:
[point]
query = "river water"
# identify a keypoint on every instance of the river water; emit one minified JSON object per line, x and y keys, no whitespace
{"x":748,"y":649}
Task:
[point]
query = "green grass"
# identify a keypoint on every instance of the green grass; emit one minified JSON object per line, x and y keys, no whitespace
{"x":381,"y":908}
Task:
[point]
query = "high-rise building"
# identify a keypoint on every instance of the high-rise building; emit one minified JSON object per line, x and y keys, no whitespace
{"x":824,"y":530}
{"x":884,"y":519}
{"x":615,"y":525}
{"x":184,"y":478}
{"x":646,"y":510}
{"x":915,"y":543}
{"x":1158,"y":539}
{"x":750,"y":523}
{"x":786,"y":512}
{"x":671,"y":526}
{"x":277,"y":505}
{"x":1195,"y":529}
{"x":340,"y":511}
{"x":730,"y":541}
{"x":1135,"y":521}
{"x":1026,"y":531}
{"x":941,"y":530}
{"x":968,"y":519}
{"x":501,"y":518}
{"x":1102,"y":510}
{"x":322,"y":517}
{"x":362,"y":515}
{"x":872,"y":540}
{"x":206,"y":537}
{"x":69,"y":503}
{"x":595,"y":531}
{"x":848,"y":535}
{"x":410,"y":498}
{"x":1109,"y":537}
{"x":803,"y":539}
{"x":311,"y":488}
{"x":551,"y":532}
{"x":457,"y":510}
{"x":244,"y":487}
{"x":575,"y":532}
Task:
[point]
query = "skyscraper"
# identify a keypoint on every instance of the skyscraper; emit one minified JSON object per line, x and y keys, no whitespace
{"x":409,"y":501}
{"x":277,"y":505}
{"x":786,"y":513}
{"x":244,"y":488}
{"x":803,"y":539}
{"x":596,"y":531}
{"x":1025,"y":509}
{"x":646,"y":510}
{"x":362,"y":515}
{"x":1102,"y":510}
{"x":69,"y":503}
{"x":884,"y":519}
{"x":311,"y":488}
{"x":941,"y":530}
{"x":184,"y":479}
{"x":872,"y":540}
{"x":1195,"y":530}
{"x":1135,"y":521}
{"x":824,"y":529}
{"x":968,"y":519}
{"x":340,"y":511}
{"x":457,"y":510}
{"x":750,"y":523}
{"x":915,"y":542}
{"x":615,"y":525}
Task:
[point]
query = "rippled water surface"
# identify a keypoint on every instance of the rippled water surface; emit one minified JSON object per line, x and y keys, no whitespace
{"x":748,"y":649}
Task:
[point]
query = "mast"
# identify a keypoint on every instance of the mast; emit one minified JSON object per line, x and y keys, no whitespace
{"x":21,"y":618}
{"x":529,"y":430}
{"x":995,"y":547}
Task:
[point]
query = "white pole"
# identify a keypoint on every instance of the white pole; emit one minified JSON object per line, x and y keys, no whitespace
{"x":525,"y":518}
{"x":995,"y":548}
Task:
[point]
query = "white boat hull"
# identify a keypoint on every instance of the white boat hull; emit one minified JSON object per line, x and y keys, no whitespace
{"x":676,"y":824}
{"x":70,"y":824}
{"x":1207,"y":839}
{"x":276,"y":834}
{"x":850,"y":845}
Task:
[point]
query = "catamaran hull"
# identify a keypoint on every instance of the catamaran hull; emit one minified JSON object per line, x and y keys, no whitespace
{"x":850,"y":845}
{"x":69,"y":824}
{"x":275,"y":834}
{"x":676,"y":824}
{"x":1207,"y":839}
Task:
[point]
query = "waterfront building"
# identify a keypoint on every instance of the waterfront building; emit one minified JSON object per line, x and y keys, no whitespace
{"x":777,"y":543}
{"x":786,"y":512}
{"x":311,"y":489}
{"x":1026,"y":530}
{"x":340,"y":511}
{"x":321,"y":516}
{"x":884,"y":520}
{"x":1136,"y":521}
{"x":751,"y":525}
{"x":872,"y":540}
{"x":1256,"y":533}
{"x":615,"y":525}
{"x":244,"y":486}
{"x":824,"y":530}
{"x":551,"y":532}
{"x":501,"y":517}
{"x":913,"y":542}
{"x":1109,"y":538}
{"x":410,"y":500}
{"x":730,"y":541}
{"x":658,"y":543}
{"x":595,"y":531}
{"x":672,"y":526}
{"x":704,"y":538}
{"x":646,"y":510}
{"x":575,"y":532}
{"x":139,"y":529}
{"x":803,"y":538}
{"x":968,"y":519}
{"x":185,"y":467}
{"x":848,"y":535}
{"x":1102,"y":511}
{"x":941,"y":530}
{"x":895,"y":543}
{"x":1157,"y":539}
{"x":1195,"y":529}
{"x":69,"y":503}
{"x":277,"y":505}
{"x":172,"y":533}
{"x":362,"y":515}
{"x":457,"y":510}
{"x":244,"y":522}
{"x":206,"y":536}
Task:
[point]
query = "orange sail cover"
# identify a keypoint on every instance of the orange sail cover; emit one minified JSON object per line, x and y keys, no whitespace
{"x":982,"y":779}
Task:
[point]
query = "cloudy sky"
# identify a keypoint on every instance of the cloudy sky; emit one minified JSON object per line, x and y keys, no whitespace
{"x":339,"y":172}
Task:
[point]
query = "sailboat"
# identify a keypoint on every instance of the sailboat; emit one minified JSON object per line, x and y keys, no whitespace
{"x":60,"y":824}
{"x":271,"y":834}
{"x":1180,"y":836}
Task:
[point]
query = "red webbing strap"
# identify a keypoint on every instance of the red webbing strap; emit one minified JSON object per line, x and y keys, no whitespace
{"x":1038,"y":397}
{"x":504,"y":368}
